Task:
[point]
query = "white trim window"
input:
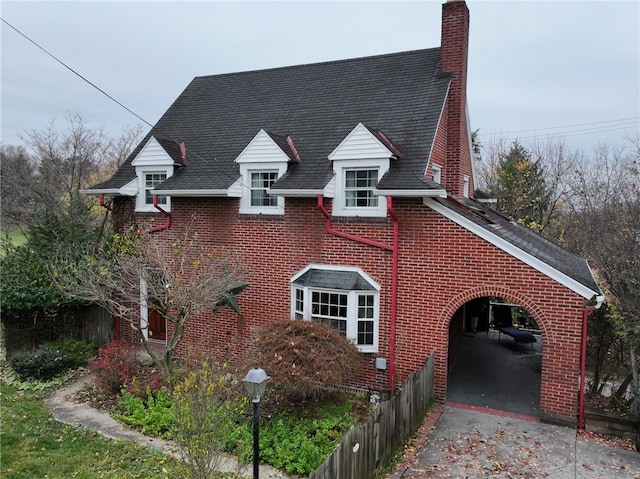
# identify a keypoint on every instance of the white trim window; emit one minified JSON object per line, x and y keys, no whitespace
{"x":342,"y":297}
{"x":151,"y":180}
{"x":261,"y":181}
{"x":358,"y":188}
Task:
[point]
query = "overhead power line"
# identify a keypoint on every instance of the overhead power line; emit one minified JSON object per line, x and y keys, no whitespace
{"x":556,"y":132}
{"x":75,"y":72}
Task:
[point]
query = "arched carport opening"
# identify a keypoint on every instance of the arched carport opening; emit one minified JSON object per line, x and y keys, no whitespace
{"x":491,"y":366}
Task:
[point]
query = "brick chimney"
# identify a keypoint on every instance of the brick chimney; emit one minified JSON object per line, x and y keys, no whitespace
{"x":454,"y":46}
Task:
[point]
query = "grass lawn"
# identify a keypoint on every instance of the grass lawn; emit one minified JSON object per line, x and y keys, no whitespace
{"x":34,"y":445}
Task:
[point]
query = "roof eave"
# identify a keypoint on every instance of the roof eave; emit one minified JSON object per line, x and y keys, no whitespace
{"x":536,"y":263}
{"x":296,"y":192}
{"x":419,"y":193}
{"x":217,"y":192}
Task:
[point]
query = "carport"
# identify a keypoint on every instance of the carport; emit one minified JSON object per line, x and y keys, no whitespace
{"x":493,"y":371}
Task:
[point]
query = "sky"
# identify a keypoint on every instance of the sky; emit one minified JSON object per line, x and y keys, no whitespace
{"x":567,"y":70}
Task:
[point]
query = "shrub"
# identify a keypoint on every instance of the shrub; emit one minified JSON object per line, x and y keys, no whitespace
{"x":206,"y":414}
{"x":302,"y":357}
{"x":114,"y":367}
{"x":153,"y":416}
{"x":299,"y":443}
{"x":79,"y":352}
{"x":41,"y":364}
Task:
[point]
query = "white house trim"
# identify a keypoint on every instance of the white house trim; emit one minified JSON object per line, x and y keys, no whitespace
{"x":261,"y":155}
{"x":362,"y":144}
{"x":412,"y":193}
{"x":360,"y":150}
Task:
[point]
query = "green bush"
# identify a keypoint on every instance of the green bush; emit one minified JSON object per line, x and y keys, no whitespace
{"x":41,"y":364}
{"x":78,"y":351}
{"x":154,"y":416}
{"x":298,"y":444}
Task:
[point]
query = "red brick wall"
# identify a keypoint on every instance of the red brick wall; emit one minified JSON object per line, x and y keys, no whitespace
{"x":441,"y":267}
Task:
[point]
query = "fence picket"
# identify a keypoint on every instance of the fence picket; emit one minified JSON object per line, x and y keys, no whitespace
{"x":387,"y":430}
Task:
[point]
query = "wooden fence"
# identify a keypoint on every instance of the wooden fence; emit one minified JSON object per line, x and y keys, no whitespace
{"x":27,"y":330}
{"x":368,"y":448}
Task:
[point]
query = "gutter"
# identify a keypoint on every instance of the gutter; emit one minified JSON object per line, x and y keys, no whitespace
{"x":583,"y":358}
{"x":394,"y":248}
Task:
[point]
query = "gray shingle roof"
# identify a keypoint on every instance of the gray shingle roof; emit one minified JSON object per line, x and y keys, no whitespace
{"x":525,"y":239}
{"x":330,"y":279}
{"x":401,"y":94}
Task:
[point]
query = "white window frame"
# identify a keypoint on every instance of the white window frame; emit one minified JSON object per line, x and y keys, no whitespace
{"x":302,"y":307}
{"x":261,"y":188}
{"x":437,"y":173}
{"x":141,"y":200}
{"x":369,"y":189}
{"x":465,"y":186}
{"x":340,"y":207}
{"x":247,"y":170}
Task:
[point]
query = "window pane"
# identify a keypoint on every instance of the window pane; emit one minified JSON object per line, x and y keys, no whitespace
{"x":359,"y":185}
{"x":260,"y":182}
{"x":365,"y":306}
{"x":151,"y":180}
{"x":330,"y":308}
{"x":365,"y":332}
{"x":299,"y":306}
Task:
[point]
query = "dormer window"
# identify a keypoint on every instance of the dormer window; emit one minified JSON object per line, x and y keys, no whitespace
{"x":154,"y":165}
{"x":263,"y":161}
{"x":358,"y":189}
{"x":151,"y":180}
{"x":359,"y":162}
{"x":261,"y":181}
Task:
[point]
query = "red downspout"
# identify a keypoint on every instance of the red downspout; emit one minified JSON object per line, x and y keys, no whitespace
{"x":583,"y":365}
{"x":166,"y":214}
{"x":104,"y":204}
{"x":394,"y":271}
{"x":116,"y":326}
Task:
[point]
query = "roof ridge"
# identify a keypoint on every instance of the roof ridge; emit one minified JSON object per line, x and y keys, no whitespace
{"x":321,"y":63}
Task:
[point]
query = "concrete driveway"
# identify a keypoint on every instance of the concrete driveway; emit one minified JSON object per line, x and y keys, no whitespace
{"x":465,"y":443}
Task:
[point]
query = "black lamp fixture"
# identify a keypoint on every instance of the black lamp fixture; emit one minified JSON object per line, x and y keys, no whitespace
{"x":255,"y":382}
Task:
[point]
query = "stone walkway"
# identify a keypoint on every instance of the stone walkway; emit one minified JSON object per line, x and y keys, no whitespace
{"x":82,"y":415}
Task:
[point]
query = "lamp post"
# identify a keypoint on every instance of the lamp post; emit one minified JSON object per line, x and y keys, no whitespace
{"x":255,"y":383}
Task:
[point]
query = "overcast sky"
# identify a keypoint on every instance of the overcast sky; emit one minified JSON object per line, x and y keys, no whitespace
{"x":569,"y":69}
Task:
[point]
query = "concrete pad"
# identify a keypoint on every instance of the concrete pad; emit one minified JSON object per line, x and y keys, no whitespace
{"x":472,"y":444}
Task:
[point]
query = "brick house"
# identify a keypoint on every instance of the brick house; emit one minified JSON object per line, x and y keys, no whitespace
{"x":347,"y":188}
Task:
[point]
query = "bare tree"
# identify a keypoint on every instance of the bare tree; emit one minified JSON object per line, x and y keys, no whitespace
{"x":136,"y":272}
{"x":17,"y":169}
{"x":606,"y":219}
{"x":41,"y":181}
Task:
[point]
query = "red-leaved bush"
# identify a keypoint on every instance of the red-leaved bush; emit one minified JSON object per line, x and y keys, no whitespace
{"x":114,"y":367}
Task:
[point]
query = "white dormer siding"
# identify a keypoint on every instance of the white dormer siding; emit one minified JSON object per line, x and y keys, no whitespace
{"x":359,"y":162}
{"x":261,"y":163}
{"x":153,"y":166}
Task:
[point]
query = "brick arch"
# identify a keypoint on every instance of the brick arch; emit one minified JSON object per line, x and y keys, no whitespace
{"x":527,"y":303}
